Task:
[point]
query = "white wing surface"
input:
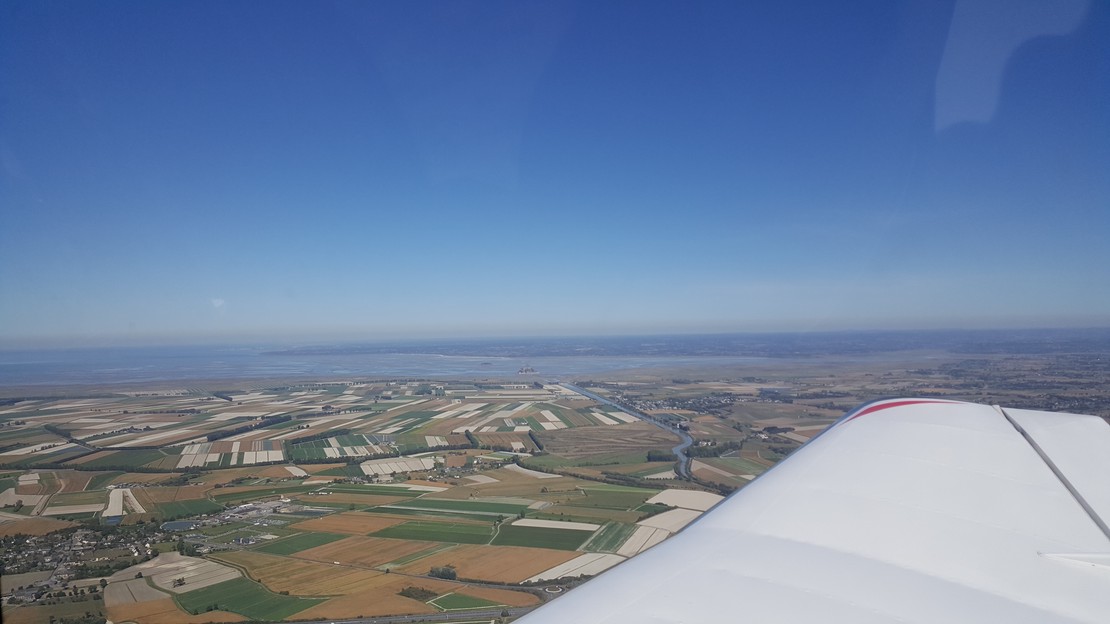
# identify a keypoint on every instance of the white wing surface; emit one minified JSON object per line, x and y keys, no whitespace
{"x":910,"y":510}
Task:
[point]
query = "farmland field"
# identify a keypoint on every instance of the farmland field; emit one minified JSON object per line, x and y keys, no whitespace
{"x":457,"y":532}
{"x":297,"y":543}
{"x":540,"y":537}
{"x":183,"y":509}
{"x":466,"y":506}
{"x":79,"y":498}
{"x":125,"y":459}
{"x":453,"y":601}
{"x":165,"y":611}
{"x":245,"y":597}
{"x":365,"y":551}
{"x":502,"y":564}
{"x":101,"y":480}
{"x":358,"y":592}
{"x":610,"y":537}
{"x":353,"y":522}
{"x":234,"y":496}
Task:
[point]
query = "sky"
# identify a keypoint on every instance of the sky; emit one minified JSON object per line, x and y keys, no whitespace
{"x":187,"y":171}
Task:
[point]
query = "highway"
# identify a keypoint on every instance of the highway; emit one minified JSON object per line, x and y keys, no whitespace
{"x":679,"y":451}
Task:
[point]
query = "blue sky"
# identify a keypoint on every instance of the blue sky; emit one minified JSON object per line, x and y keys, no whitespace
{"x":180,"y":171}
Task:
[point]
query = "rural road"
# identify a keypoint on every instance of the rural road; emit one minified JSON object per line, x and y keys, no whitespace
{"x":679,"y":451}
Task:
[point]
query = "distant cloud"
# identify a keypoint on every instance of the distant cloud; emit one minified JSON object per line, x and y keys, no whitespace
{"x":217,"y":303}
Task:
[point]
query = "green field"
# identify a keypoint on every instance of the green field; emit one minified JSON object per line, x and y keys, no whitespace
{"x":539,"y":537}
{"x":235,"y":498}
{"x":245,"y":597}
{"x":342,"y":471}
{"x":744,"y":466}
{"x":299,"y":542}
{"x":452,"y":601}
{"x":373,"y":489}
{"x":183,"y":509}
{"x":79,"y":498}
{"x":610,"y":537}
{"x":425,"y":513}
{"x":612,"y":499}
{"x":100,"y":481}
{"x":458,"y":533}
{"x":466,"y":506}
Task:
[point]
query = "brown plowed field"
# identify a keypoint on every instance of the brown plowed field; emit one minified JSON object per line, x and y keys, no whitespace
{"x":351,"y":522}
{"x":504,"y":564}
{"x":170,"y":494}
{"x":374,"y":601}
{"x":364,"y":551}
{"x":73,"y":480}
{"x":165,"y":612}
{"x":318,"y":468}
{"x":506,"y":439}
{"x":301,"y":578}
{"x":33,"y":526}
{"x":586,"y":441}
{"x":274,"y":472}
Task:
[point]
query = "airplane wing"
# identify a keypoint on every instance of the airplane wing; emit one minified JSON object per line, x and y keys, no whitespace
{"x":906,"y":510}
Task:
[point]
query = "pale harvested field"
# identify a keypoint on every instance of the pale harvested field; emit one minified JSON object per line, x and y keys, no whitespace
{"x":134,"y":590}
{"x":351,"y":522}
{"x":588,"y":564}
{"x":535,"y":474}
{"x":504,"y":564}
{"x":481,"y":479}
{"x":672,"y":520}
{"x":33,"y":526}
{"x":164,"y":568}
{"x":364,"y":551}
{"x":643,"y":538}
{"x":165,"y":612}
{"x":686,"y":499}
{"x":358,"y":499}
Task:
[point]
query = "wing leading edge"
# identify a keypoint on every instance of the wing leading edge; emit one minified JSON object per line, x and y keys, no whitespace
{"x":908,"y":510}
